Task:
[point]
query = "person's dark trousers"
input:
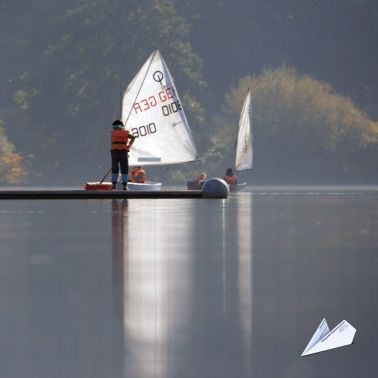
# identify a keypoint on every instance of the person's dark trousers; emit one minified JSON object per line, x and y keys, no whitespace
{"x":120,"y":158}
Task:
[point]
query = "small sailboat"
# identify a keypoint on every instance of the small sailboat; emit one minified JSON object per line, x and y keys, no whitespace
{"x":324,"y":339}
{"x":244,"y":144}
{"x":152,"y":111}
{"x":244,"y":151}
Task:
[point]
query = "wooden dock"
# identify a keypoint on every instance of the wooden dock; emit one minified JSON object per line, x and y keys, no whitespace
{"x":43,"y":194}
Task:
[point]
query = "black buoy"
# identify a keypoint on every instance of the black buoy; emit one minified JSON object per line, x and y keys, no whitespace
{"x":215,"y":188}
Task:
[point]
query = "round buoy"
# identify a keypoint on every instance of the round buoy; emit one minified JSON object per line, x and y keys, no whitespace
{"x":215,"y":188}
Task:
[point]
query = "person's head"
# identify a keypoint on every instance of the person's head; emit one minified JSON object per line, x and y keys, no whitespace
{"x":203,"y":176}
{"x":229,"y":172}
{"x":117,"y":124}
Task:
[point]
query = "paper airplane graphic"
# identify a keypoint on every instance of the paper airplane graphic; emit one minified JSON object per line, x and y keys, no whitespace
{"x":324,"y":339}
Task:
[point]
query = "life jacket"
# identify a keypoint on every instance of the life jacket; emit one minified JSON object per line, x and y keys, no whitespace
{"x":119,"y":140}
{"x":231,"y":180}
{"x":138,"y":175}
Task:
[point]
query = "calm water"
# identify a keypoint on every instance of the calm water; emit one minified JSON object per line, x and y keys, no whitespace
{"x":188,"y":287}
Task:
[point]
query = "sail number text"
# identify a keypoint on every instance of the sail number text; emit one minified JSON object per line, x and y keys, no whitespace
{"x":162,"y":97}
{"x":144,"y":130}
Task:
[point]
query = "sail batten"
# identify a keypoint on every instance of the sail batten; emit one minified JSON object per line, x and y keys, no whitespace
{"x":152,"y":111}
{"x":244,"y":149}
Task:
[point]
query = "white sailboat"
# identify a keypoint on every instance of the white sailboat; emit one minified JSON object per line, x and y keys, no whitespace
{"x":152,"y":111}
{"x":244,"y":145}
{"x":324,"y":339}
{"x":244,"y":151}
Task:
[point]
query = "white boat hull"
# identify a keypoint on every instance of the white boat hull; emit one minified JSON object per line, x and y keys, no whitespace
{"x":238,"y":187}
{"x":148,"y":186}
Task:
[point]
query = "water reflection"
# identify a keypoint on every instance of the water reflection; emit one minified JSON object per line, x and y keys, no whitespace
{"x":54,"y":290}
{"x":119,"y":219}
{"x":166,"y":286}
{"x":151,"y":279}
{"x":200,"y":288}
{"x":245,"y":267}
{"x":145,"y":294}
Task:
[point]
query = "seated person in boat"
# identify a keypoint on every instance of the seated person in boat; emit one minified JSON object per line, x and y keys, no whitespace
{"x":230,"y":179}
{"x":138,"y":175}
{"x":201,"y":179}
{"x":198,"y":182}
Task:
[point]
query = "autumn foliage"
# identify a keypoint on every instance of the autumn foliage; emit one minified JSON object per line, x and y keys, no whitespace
{"x":11,"y":165}
{"x":301,"y":127}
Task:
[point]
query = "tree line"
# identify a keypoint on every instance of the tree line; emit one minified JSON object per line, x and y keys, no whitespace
{"x":60,"y":103}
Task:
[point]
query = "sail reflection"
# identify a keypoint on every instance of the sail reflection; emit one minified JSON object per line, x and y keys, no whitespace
{"x":245,"y":265}
{"x":237,"y":288}
{"x":155,"y":281}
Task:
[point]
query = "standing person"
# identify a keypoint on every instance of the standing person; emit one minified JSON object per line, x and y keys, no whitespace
{"x":231,"y":179}
{"x":121,"y":141}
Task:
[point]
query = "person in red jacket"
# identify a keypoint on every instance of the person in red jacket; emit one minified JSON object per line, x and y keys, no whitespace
{"x":138,"y":174}
{"x":121,"y":141}
{"x":231,"y":179}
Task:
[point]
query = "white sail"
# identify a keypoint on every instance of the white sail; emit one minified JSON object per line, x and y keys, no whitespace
{"x":152,"y":111}
{"x":324,"y":339}
{"x":244,"y":151}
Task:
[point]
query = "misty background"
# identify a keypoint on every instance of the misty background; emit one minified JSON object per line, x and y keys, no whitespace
{"x":311,"y":66}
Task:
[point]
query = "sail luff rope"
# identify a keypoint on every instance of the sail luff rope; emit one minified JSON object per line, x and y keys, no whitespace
{"x":131,"y":108}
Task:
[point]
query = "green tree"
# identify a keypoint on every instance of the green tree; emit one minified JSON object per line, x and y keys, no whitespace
{"x":97,"y":48}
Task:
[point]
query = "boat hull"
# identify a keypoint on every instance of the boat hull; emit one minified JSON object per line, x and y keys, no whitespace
{"x":148,"y":186}
{"x":238,"y":187}
{"x":133,"y":186}
{"x":194,"y":185}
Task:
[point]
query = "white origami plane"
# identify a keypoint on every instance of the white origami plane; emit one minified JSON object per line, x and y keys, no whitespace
{"x":324,"y":339}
